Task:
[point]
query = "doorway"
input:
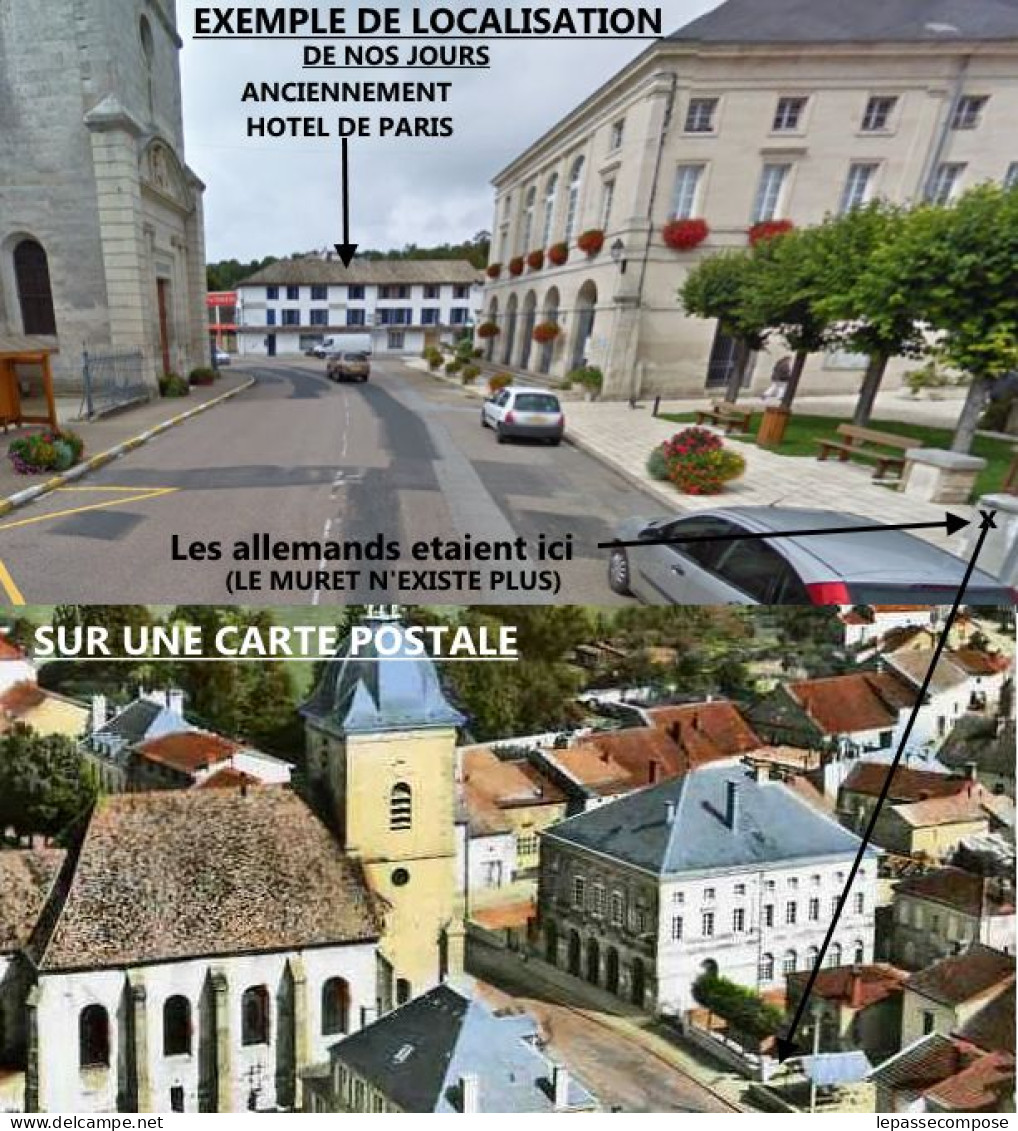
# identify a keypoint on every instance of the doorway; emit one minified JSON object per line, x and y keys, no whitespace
{"x":723,"y":358}
{"x":270,"y":345}
{"x":163,"y":299}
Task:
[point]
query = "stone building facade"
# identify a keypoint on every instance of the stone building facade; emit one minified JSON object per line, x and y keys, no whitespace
{"x":101,"y":230}
{"x":737,"y":119}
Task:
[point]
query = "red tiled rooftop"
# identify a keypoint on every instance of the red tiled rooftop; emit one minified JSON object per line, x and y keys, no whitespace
{"x":906,"y":785}
{"x":227,"y":778}
{"x":976,"y":662}
{"x":508,"y":915}
{"x":189,"y":750}
{"x":962,"y":890}
{"x":853,"y":986}
{"x":705,"y":732}
{"x":961,"y":977}
{"x":647,"y":754}
{"x":843,"y":704}
{"x":979,"y":1085}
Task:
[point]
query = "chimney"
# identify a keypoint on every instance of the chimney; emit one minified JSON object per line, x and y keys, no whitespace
{"x":175,"y":701}
{"x":669,"y":812}
{"x":652,"y":770}
{"x":470,"y":1092}
{"x":98,"y":712}
{"x":560,"y":1087}
{"x":732,"y":805}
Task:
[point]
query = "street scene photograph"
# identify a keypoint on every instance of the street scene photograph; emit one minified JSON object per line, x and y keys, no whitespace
{"x":604,"y":875}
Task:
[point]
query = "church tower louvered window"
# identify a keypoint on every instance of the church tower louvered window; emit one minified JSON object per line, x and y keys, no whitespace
{"x":401,"y":805}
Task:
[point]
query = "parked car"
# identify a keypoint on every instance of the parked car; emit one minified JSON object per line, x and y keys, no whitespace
{"x":533,"y":414}
{"x":348,"y":367}
{"x":221,"y":358}
{"x":875,"y":567}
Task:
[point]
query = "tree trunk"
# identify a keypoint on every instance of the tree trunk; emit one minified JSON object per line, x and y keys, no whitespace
{"x":738,"y":371}
{"x":798,"y":365}
{"x":965,"y":431}
{"x":875,"y":369}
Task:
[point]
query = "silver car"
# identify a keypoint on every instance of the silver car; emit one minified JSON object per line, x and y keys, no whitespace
{"x":875,"y":567}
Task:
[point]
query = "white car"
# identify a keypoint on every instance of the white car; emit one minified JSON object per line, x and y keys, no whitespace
{"x":533,"y":414}
{"x":221,"y":358}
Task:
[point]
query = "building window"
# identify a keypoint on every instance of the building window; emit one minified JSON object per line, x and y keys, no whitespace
{"x":968,"y":111}
{"x":739,"y":919}
{"x":768,"y":914}
{"x":527,"y":230}
{"x":617,"y":909}
{"x":254,"y":1015}
{"x":31,"y":273}
{"x":319,"y":318}
{"x":396,"y":316}
{"x":401,"y":807}
{"x":579,"y":892}
{"x":812,"y":954}
{"x":176,"y":1098}
{"x":461,"y":290}
{"x":859,"y":902}
{"x":573,"y":199}
{"x":356,"y":318}
{"x":700,"y":115}
{"x":395,"y":290}
{"x":835,"y":904}
{"x":270,"y":318}
{"x":765,"y":969}
{"x":740,"y":889}
{"x":791,"y":911}
{"x":678,"y":897}
{"x":335,"y":1006}
{"x":355,"y":291}
{"x":550,"y":193}
{"x":877,"y":117}
{"x":686,"y":192}
{"x":94,"y":1037}
{"x":319,"y":293}
{"x":788,"y":114}
{"x":432,"y":290}
{"x":769,"y":192}
{"x":858,"y":185}
{"x":607,"y":199}
{"x":676,"y":928}
{"x":788,"y":962}
{"x":814,"y":909}
{"x":815,"y":879}
{"x":526,"y":845}
{"x":459,"y":315}
{"x":598,"y":900}
{"x":176,"y":1026}
{"x":708,"y":924}
{"x":859,"y":956}
{"x":793,"y":883}
{"x":928,"y":1022}
{"x":272,"y":293}
{"x":945,"y":181}
{"x":293,"y":294}
{"x":834,"y":955}
{"x":769,"y":885}
{"x":708,"y":895}
{"x":615,"y":137}
{"x":1011,"y":176}
{"x":430,"y":315}
{"x":291,"y":317}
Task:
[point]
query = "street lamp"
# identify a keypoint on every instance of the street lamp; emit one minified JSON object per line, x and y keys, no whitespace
{"x":618,"y":250}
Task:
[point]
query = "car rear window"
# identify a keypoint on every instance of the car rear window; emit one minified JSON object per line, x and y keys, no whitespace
{"x":355,"y":357}
{"x":536,"y":402}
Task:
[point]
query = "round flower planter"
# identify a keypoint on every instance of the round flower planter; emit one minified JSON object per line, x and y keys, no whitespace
{"x":591,"y":241}
{"x":558,"y":253}
{"x":684,"y":235}
{"x":768,"y":229}
{"x":545,"y":332}
{"x":516,"y":265}
{"x":487,"y":330}
{"x":493,"y":270}
{"x":535,"y":260}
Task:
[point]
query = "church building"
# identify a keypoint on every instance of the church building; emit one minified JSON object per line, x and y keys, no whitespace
{"x":101,"y":230}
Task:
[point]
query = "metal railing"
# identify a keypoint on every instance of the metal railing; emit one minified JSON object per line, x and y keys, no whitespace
{"x":111,"y":380}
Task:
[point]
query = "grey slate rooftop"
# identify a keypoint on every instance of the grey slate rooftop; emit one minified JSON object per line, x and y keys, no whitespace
{"x":865,"y":21}
{"x":311,"y":270}
{"x":417,"y":1055}
{"x":772,"y":825}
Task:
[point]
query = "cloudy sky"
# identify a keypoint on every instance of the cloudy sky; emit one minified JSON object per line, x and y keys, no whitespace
{"x":274,"y":197}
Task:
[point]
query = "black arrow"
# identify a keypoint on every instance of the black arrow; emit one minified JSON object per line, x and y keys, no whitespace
{"x":786,"y":1045}
{"x":346,"y":250}
{"x":950,"y":522}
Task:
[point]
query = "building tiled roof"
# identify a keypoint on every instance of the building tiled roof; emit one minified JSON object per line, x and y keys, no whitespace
{"x":311,"y":270}
{"x":961,"y":977}
{"x":705,"y":732}
{"x":976,"y":662}
{"x":171,"y":875}
{"x":506,"y":915}
{"x":856,"y":987}
{"x":227,"y":778}
{"x":493,"y":785}
{"x":906,"y":784}
{"x":922,"y":1064}
{"x":964,"y":891}
{"x":980,"y":740}
{"x":682,"y":826}
{"x":845,"y":704}
{"x":980,"y":1085}
{"x":914,"y":666}
{"x":594,"y":769}
{"x":133,"y":722}
{"x":993,"y":1027}
{"x":748,"y":22}
{"x":22,"y":697}
{"x":188,"y":751}
{"x":646,"y":754}
{"x":27,"y":876}
{"x":956,"y":809}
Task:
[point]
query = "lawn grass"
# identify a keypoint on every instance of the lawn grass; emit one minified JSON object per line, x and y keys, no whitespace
{"x":803,"y":432}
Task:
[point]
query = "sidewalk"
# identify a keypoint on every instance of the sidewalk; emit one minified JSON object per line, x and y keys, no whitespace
{"x":109,"y":433}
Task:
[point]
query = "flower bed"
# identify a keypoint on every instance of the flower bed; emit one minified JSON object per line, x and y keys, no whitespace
{"x":535,"y":260}
{"x":558,"y":253}
{"x":590,"y":241}
{"x":696,"y":461}
{"x":52,"y":450}
{"x":516,"y":265}
{"x":684,"y":235}
{"x":768,"y":229}
{"x":545,"y":332}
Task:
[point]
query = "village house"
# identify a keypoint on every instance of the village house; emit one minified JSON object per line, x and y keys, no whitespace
{"x":939,"y":913}
{"x":861,"y":789}
{"x":23,"y":701}
{"x":112,"y":736}
{"x":989,"y":745}
{"x":932,"y":829}
{"x":951,"y":692}
{"x":719,"y":870}
{"x":872,"y":624}
{"x":447,"y":1051}
{"x":944,"y":996}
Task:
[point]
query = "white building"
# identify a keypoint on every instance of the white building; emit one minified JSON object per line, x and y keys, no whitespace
{"x":252,"y":950}
{"x":401,"y":305}
{"x":717,"y":871}
{"x":15,"y":666}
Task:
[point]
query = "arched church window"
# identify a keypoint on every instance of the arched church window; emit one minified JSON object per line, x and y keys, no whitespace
{"x":401,"y":806}
{"x":31,"y":272}
{"x":93,"y":1037}
{"x":336,"y":1006}
{"x":254,"y":1012}
{"x":177,"y":1026}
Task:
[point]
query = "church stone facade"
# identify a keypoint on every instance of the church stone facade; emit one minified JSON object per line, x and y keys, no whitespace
{"x":101,"y":230}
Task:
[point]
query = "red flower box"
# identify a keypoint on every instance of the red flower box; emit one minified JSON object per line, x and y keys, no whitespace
{"x":545,"y":332}
{"x":535,"y":260}
{"x":591,"y":241}
{"x":516,"y":265}
{"x":768,"y":229}
{"x":558,"y":253}
{"x":494,"y":270}
{"x":684,"y":235}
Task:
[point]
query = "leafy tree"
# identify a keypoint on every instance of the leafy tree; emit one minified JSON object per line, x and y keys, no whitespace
{"x":956,"y":266}
{"x":744,"y":1010}
{"x":227,"y":273}
{"x":119,"y":678}
{"x":718,"y":287}
{"x":845,"y":247}
{"x":44,"y":785}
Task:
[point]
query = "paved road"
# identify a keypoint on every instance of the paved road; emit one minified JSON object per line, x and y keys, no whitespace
{"x":299,"y":458}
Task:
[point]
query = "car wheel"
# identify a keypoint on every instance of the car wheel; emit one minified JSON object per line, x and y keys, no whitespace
{"x":502,"y":437}
{"x":556,"y":441}
{"x":364,"y":379}
{"x":618,"y":573}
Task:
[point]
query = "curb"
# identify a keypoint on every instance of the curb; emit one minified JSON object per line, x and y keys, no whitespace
{"x":79,"y":471}
{"x":659,"y":495}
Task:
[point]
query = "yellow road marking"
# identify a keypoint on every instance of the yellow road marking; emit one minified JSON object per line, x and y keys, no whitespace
{"x":153,"y":493}
{"x":122,"y":490}
{"x":8,"y":586}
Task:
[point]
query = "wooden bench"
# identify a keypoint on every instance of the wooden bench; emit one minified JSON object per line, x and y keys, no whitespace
{"x":854,"y":442}
{"x":727,"y":415}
